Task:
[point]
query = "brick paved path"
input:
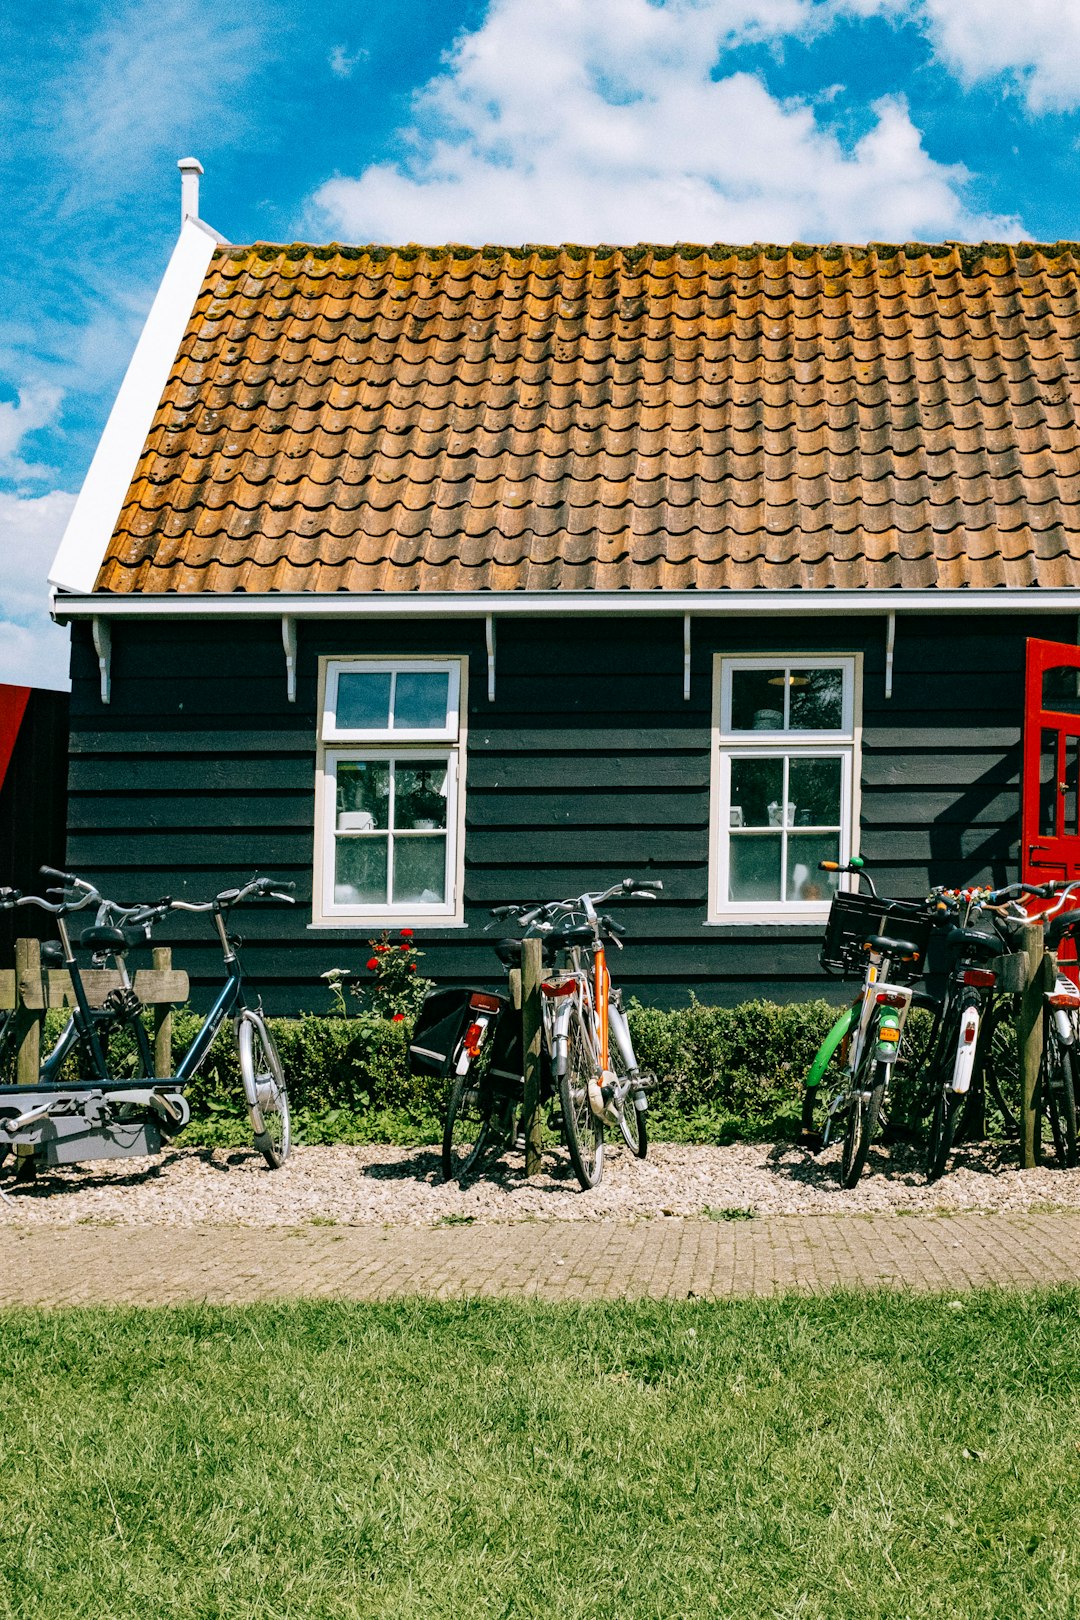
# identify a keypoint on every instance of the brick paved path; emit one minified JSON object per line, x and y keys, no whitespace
{"x":663,"y":1259}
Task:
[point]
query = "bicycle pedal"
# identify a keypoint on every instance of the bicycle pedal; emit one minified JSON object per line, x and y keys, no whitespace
{"x":812,"y":1141}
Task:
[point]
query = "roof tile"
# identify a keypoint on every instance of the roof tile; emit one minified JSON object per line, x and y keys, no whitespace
{"x":705,"y":418}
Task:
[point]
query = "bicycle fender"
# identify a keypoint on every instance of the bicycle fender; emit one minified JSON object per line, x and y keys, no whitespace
{"x":964,"y":1064}
{"x":839,"y":1032}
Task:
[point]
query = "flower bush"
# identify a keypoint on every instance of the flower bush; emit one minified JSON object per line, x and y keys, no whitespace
{"x":397,"y":988}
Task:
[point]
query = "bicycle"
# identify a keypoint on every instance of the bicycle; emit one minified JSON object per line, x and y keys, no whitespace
{"x":969,"y":1013}
{"x":94,"y":1106}
{"x":857,"y":938}
{"x":594,"y":1067}
{"x":587,"y":1064}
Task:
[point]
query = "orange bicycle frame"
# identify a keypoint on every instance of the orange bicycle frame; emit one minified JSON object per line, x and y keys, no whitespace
{"x":602,"y":982}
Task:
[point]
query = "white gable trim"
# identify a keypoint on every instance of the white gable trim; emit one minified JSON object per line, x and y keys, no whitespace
{"x":556,"y":604}
{"x":86,"y":538}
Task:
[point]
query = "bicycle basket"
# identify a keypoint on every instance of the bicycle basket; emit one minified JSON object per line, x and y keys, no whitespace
{"x":854,"y":917}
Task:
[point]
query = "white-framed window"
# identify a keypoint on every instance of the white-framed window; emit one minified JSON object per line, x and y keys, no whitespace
{"x":784,"y":782}
{"x":389,"y":791}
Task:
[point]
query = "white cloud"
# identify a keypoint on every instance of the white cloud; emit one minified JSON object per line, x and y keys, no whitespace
{"x":344,"y":63}
{"x":33,"y":650}
{"x":605,"y":120}
{"x":1034,"y":45}
{"x":142,"y":83}
{"x":36,"y":406}
{"x":1034,"y":42}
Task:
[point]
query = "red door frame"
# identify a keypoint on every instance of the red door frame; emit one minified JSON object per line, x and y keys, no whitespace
{"x":1046,"y":854}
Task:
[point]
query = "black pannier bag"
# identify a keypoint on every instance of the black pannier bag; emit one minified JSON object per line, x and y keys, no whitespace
{"x":440,"y":1024}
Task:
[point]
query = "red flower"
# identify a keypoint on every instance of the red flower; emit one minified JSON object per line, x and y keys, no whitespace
{"x":412,"y":967}
{"x":404,"y":947}
{"x":398,"y":1018}
{"x":380,"y":948}
{"x":406,"y":933}
{"x":373,"y":963}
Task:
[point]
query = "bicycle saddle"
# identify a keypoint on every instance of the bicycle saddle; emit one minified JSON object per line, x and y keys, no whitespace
{"x":103,"y":939}
{"x":975,"y":943}
{"x":891,"y":947}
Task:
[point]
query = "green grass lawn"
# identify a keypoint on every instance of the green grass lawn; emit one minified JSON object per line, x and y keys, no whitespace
{"x":856,"y":1456}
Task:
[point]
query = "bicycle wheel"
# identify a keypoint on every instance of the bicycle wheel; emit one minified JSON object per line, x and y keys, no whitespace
{"x":583,"y":1131}
{"x":1059,"y":1096}
{"x":1001,"y":1075}
{"x":939,"y":1143}
{"x":631,"y":1119}
{"x":864,"y":1111}
{"x":469,"y":1130}
{"x":265,"y":1090}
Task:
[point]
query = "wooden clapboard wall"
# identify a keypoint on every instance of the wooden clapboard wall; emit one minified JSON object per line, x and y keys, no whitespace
{"x":588,"y":766}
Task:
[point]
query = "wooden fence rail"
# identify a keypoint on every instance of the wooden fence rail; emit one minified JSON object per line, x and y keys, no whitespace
{"x":30,"y":990}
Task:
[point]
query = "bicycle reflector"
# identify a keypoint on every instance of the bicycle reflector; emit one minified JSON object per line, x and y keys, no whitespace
{"x":1062,"y":998}
{"x":891,"y":998}
{"x":474,"y":1036}
{"x":984,"y":978}
{"x":565,"y":989}
{"x":484,"y":1003}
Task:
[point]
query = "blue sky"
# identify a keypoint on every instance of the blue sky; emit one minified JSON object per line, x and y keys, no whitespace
{"x":466,"y":120}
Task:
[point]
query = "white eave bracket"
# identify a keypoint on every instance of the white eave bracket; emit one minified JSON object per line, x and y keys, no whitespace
{"x":686,"y":658}
{"x":890,"y":644}
{"x":102,"y":633}
{"x":489,"y":636}
{"x":288,"y":641}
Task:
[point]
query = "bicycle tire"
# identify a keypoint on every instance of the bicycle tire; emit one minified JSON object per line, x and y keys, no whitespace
{"x":632,"y":1126}
{"x":864,"y":1111}
{"x":468,"y":1129}
{"x":1059,"y":1098}
{"x":1001,"y":1077}
{"x":584,"y":1133}
{"x":265,"y":1091}
{"x":939,"y":1143}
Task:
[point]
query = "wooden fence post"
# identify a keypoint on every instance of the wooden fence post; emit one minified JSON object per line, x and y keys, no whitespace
{"x":27,"y":972}
{"x":532,"y":973}
{"x":163,"y":1021}
{"x":1029,"y":1037}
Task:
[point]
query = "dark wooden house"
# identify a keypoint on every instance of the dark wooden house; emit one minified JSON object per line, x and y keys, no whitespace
{"x":438,"y":578}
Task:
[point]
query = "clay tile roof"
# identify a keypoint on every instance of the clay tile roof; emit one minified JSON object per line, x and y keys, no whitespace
{"x":452,"y":419}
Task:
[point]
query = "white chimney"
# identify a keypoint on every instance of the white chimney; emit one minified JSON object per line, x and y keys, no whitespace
{"x":190,"y":170}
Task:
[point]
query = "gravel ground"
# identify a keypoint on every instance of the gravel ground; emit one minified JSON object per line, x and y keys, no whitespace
{"x":402,"y":1187}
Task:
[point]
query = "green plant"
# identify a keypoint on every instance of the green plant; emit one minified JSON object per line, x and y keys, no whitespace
{"x":397,"y":989}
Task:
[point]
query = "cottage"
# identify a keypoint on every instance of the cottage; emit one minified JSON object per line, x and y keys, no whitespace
{"x":434,"y":578}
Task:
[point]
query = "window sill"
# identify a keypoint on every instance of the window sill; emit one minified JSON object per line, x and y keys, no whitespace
{"x":337,"y":925}
{"x":812,"y":925}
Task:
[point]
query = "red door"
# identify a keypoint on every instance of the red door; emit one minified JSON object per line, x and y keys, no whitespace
{"x":1050,"y":822}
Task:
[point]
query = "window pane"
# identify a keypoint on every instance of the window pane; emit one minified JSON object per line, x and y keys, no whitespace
{"x":419,"y":870}
{"x":814,"y":793}
{"x":363,"y":701}
{"x":1061,"y":689}
{"x":817,"y":700}
{"x":757,"y":699}
{"x":421,"y":702}
{"x":360,"y":871}
{"x":420,"y":799}
{"x":757,"y":786}
{"x":804,"y":851}
{"x":363,"y":795}
{"x":755,"y":867}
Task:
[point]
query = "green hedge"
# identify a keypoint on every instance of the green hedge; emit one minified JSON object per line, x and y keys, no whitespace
{"x":725,"y":1073}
